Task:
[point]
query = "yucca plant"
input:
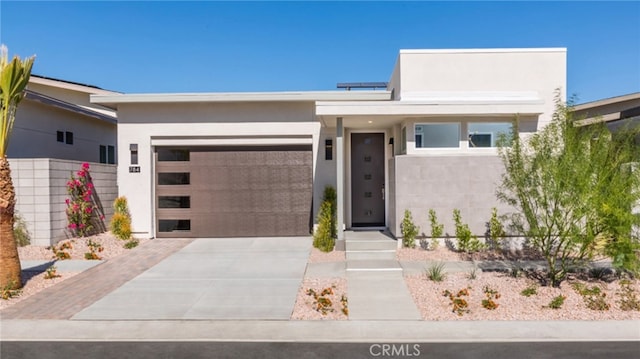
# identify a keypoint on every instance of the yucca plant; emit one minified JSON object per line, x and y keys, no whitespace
{"x":14,"y":77}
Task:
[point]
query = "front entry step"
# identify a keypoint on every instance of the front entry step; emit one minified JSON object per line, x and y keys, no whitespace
{"x":373,"y":265}
{"x":371,"y":255}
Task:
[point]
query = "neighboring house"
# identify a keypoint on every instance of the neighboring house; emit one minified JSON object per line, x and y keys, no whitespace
{"x":56,"y":129}
{"x":616,"y":111}
{"x":256,"y":164}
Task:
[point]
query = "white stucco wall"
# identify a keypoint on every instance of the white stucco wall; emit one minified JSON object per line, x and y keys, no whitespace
{"x":186,"y":124}
{"x":478,"y":73}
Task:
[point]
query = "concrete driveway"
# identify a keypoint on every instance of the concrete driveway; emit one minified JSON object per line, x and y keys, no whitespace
{"x":213,"y":278}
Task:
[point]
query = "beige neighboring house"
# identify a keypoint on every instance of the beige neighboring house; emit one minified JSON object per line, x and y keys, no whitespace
{"x":57,"y":128}
{"x":616,"y":111}
{"x":256,"y":164}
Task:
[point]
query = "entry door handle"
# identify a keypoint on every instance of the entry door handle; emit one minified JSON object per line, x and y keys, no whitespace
{"x":383,"y":192}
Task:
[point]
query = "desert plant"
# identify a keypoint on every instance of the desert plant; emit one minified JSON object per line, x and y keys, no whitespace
{"x":436,"y":272}
{"x":409,"y":230}
{"x":322,"y":238}
{"x":51,"y":272}
{"x":557,"y":302}
{"x":20,"y":231}
{"x":529,"y":291}
{"x":94,"y":249}
{"x":437,"y":229}
{"x":345,"y":304}
{"x":14,"y":77}
{"x":82,"y":211}
{"x":322,"y":303}
{"x":466,"y":242}
{"x":331,"y":196}
{"x":60,"y":251}
{"x":628,"y":298}
{"x":132,"y":243}
{"x":10,"y":291}
{"x":458,"y":303}
{"x":593,"y":297}
{"x":573,"y":190}
{"x":120,"y":224}
{"x":496,"y":230}
{"x":491,"y":295}
{"x":473,"y":273}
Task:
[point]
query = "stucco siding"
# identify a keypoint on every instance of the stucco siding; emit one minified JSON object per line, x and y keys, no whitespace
{"x":36,"y":125}
{"x":185,"y":123}
{"x":445,"y":183}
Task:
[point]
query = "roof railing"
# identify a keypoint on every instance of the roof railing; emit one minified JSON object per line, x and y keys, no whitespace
{"x":362,"y":85}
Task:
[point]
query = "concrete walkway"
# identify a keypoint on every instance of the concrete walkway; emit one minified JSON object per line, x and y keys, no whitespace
{"x":375,"y":286}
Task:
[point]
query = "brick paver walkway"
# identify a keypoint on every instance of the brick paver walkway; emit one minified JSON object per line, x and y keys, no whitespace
{"x":69,"y":297}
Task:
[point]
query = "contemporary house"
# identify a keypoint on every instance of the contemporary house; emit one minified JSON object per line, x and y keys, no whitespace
{"x":256,"y":164}
{"x":56,"y":129}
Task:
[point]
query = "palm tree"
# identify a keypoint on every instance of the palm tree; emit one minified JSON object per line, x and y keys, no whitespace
{"x":14,"y":76}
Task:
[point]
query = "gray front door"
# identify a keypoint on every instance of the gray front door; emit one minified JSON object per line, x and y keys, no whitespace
{"x":367,"y":179}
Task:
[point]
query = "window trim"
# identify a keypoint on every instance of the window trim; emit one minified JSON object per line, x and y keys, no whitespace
{"x":460,"y":128}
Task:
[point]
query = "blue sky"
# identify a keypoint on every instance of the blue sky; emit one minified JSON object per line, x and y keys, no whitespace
{"x":286,"y":46}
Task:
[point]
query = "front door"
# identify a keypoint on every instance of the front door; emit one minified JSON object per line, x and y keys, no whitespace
{"x":367,"y":179}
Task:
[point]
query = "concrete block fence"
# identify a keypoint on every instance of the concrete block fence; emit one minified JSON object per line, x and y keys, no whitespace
{"x":41,"y":191}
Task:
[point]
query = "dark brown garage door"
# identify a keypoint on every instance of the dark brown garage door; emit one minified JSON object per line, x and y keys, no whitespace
{"x":233,"y":191}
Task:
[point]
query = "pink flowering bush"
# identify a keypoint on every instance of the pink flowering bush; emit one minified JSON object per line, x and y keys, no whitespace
{"x":82,"y":212}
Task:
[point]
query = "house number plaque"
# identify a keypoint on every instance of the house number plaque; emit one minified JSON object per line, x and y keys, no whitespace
{"x":134,"y":169}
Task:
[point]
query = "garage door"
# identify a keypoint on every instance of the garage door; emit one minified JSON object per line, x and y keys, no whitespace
{"x":233,"y":191}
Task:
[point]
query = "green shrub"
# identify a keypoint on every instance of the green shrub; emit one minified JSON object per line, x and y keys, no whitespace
{"x":557,"y":302}
{"x":120,"y":205}
{"x":322,"y":238}
{"x":121,"y":221}
{"x":409,"y":230}
{"x":132,"y":243}
{"x":20,"y":231}
{"x":628,"y":298}
{"x":436,"y":272}
{"x":593,"y":297}
{"x":467,"y":242}
{"x":121,"y":226}
{"x":331,"y":196}
{"x":529,"y":291}
{"x":496,"y":229}
{"x":437,"y":229}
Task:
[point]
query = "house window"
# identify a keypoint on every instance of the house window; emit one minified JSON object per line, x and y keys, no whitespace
{"x":486,"y":134}
{"x":328,"y":149}
{"x":437,"y":135}
{"x":107,"y":154}
{"x":68,"y":138}
{"x":64,"y":137}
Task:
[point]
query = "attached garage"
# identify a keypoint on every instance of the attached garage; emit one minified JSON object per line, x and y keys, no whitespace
{"x":233,"y":191}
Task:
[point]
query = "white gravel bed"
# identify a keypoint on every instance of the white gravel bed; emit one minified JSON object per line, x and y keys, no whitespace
{"x":111,"y":245}
{"x":441,"y":253}
{"x":512,"y":305}
{"x":303,"y":309}
{"x":32,"y":285}
{"x":318,"y":256}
